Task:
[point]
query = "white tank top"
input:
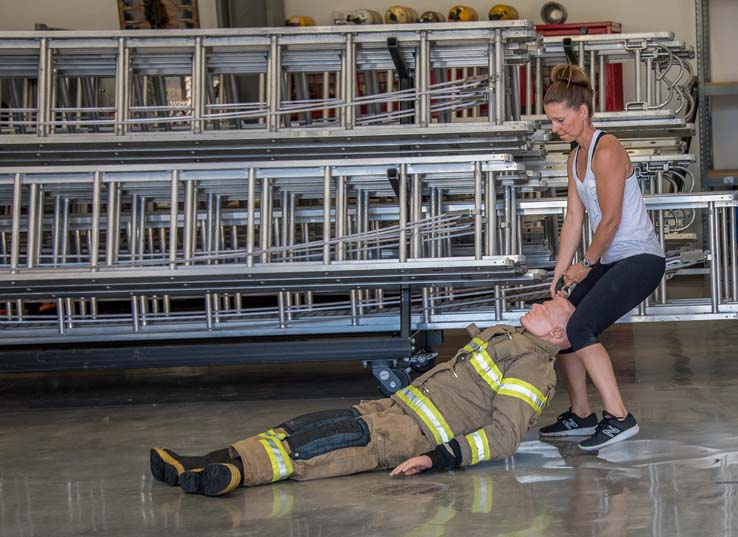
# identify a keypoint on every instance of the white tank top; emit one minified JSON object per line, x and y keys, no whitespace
{"x":635,"y":234}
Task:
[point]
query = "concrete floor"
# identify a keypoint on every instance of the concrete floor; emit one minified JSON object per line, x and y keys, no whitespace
{"x":74,"y":454}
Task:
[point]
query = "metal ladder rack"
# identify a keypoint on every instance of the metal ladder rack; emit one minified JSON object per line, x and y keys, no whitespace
{"x":192,"y":214}
{"x":656,"y":59}
{"x":147,"y":72}
{"x":219,"y":301}
{"x":294,"y":92}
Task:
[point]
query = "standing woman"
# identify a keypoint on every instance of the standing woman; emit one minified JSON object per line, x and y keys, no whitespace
{"x":622,"y":266}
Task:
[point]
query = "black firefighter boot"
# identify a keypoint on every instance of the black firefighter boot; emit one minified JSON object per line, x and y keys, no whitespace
{"x":167,"y":466}
{"x":215,"y":479}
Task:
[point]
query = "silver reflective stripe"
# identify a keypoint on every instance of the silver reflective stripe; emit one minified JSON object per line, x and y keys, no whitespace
{"x":480,"y":446}
{"x":277,"y":457}
{"x":487,"y":370}
{"x":419,"y":404}
{"x":512,"y":387}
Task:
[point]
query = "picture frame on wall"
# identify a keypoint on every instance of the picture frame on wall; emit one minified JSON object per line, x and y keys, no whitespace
{"x":158,"y":14}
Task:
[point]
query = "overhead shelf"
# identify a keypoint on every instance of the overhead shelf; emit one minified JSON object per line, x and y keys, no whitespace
{"x":721,"y":88}
{"x":717,"y":178}
{"x":722,"y":173}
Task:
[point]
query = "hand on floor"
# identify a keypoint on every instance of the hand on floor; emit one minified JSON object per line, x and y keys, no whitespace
{"x":413,"y":466}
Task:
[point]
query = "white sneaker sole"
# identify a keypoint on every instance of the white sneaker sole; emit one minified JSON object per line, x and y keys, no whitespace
{"x":630,"y":433}
{"x":582,"y":431}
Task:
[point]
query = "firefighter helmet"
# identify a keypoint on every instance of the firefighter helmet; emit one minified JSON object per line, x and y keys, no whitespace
{"x":364,"y":16}
{"x":462,"y":14}
{"x":400,"y":15}
{"x":503,"y":12}
{"x":299,"y":20}
{"x":432,"y":16}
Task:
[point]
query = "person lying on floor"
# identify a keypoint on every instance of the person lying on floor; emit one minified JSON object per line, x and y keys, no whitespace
{"x":476,"y":407}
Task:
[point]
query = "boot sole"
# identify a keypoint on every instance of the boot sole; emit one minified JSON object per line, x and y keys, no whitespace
{"x":191,"y":481}
{"x":164,"y":467}
{"x":581,"y":431}
{"x":630,"y":433}
{"x":219,"y":479}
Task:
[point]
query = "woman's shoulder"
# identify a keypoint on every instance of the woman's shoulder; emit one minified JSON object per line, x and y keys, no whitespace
{"x":609,"y":149}
{"x":608,"y":143}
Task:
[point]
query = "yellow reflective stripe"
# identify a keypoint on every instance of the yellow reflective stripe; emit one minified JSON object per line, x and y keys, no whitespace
{"x":539,"y":524}
{"x":436,"y":526}
{"x":281,"y":463}
{"x":443,"y":516}
{"x":483,"y":499}
{"x":524,"y":391}
{"x":485,"y":366}
{"x":271,"y":433}
{"x":479,"y":446}
{"x":475,"y":344}
{"x":282,"y":502}
{"x":235,"y":478}
{"x":427,"y":412}
{"x":168,"y":459}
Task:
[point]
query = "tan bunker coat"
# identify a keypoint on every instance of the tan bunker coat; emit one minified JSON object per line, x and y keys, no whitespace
{"x":485,"y":398}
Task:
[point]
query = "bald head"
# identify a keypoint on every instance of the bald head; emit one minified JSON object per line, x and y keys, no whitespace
{"x":548,"y":320}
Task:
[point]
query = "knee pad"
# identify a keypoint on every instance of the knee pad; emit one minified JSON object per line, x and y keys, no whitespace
{"x":309,"y":443}
{"x":316,"y":419}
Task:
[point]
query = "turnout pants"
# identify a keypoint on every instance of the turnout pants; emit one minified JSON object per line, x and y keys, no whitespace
{"x":390,"y":436}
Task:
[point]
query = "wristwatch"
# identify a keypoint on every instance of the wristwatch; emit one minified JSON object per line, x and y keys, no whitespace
{"x":587,"y":263}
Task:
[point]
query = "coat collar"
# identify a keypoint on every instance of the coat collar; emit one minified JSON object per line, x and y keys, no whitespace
{"x":547,"y":347}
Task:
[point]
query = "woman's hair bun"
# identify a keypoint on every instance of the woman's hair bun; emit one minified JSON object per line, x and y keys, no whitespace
{"x":571,"y":75}
{"x":570,"y":85}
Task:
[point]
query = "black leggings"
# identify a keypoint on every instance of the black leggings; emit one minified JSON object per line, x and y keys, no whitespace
{"x":607,"y":293}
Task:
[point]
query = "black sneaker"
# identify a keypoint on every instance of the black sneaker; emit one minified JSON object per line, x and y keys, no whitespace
{"x":609,"y":431}
{"x":569,"y":424}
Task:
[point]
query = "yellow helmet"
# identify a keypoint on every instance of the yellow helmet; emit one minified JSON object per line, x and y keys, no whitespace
{"x":400,"y":15}
{"x":503,"y":12}
{"x":364,"y":16}
{"x":432,"y":16}
{"x":299,"y":20}
{"x":462,"y":14}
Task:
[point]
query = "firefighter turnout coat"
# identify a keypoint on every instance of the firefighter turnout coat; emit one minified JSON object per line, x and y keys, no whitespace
{"x":487,"y":396}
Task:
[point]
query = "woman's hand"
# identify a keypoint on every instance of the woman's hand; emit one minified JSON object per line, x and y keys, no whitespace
{"x":413,"y":466}
{"x":552,"y":290}
{"x":576,"y":273}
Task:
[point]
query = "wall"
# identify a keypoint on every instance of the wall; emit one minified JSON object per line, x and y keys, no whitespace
{"x":635,"y":15}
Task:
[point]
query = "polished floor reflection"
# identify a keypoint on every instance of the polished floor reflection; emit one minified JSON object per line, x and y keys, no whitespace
{"x":73,"y":455}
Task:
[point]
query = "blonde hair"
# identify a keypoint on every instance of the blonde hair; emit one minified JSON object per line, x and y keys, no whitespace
{"x":571,"y":86}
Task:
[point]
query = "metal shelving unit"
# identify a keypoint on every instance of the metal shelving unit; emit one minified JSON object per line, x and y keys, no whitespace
{"x":710,"y":177}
